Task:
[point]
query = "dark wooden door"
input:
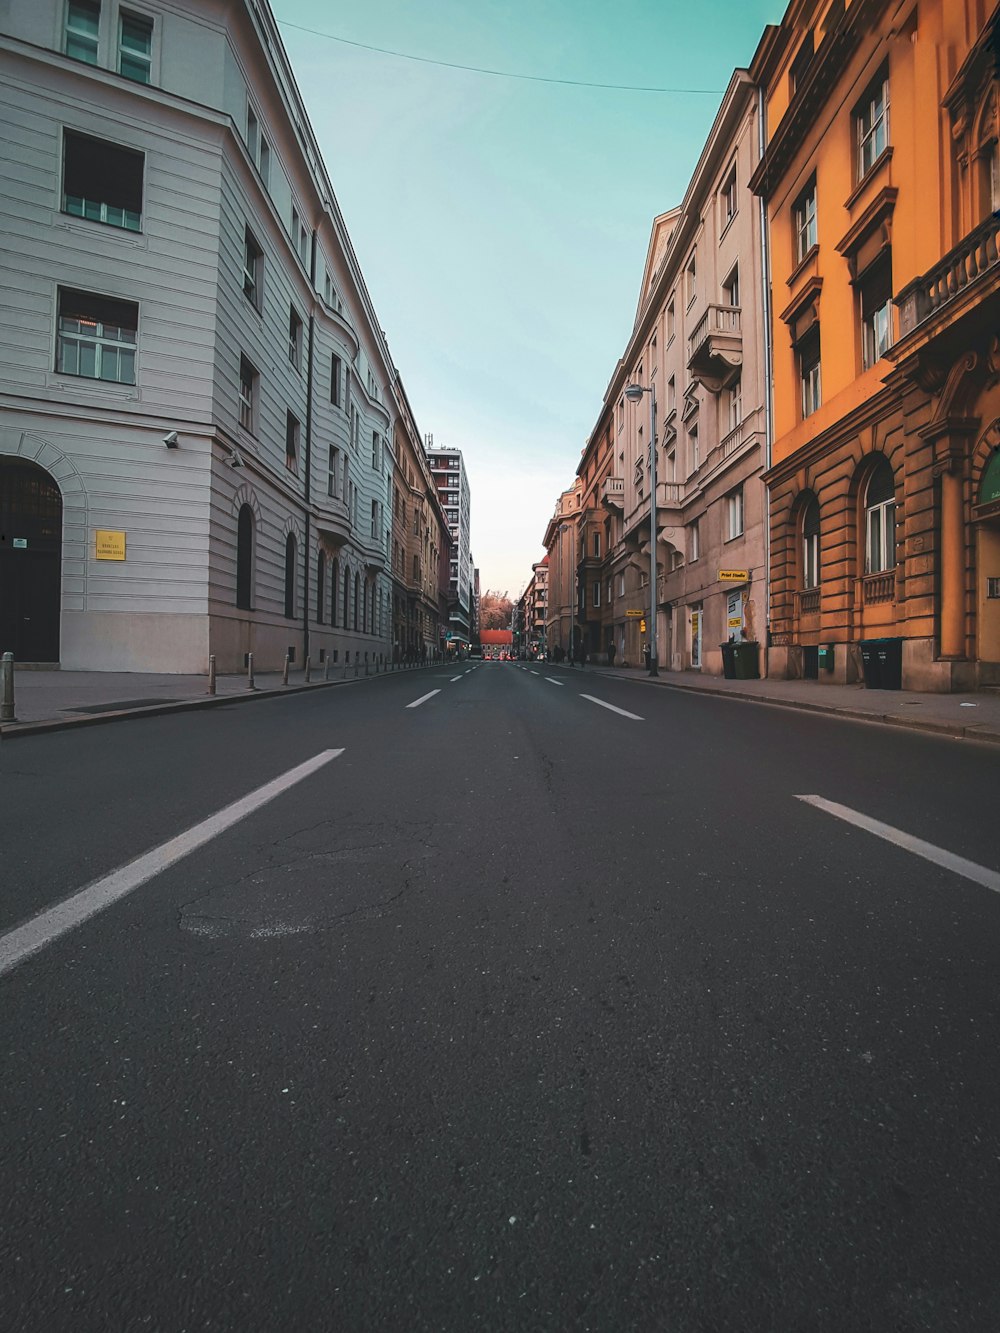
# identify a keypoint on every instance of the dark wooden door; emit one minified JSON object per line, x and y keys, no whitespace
{"x":30,"y":562}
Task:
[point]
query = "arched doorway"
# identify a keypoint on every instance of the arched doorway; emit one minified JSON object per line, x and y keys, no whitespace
{"x":30,"y":561}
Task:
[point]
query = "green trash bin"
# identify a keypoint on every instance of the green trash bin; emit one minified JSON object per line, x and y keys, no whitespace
{"x":747,"y":656}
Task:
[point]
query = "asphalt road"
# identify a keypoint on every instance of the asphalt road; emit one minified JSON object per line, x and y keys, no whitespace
{"x":517,"y":1013}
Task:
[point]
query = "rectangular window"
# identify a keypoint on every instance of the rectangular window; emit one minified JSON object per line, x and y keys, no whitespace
{"x":734,"y":514}
{"x":335,"y":373}
{"x":102,"y":182}
{"x":875,"y":293}
{"x":670,"y":322}
{"x":375,"y":522}
{"x":83,"y":26}
{"x":804,"y":220}
{"x":807,"y":353}
{"x":96,"y":337}
{"x":728,"y":198}
{"x":694,"y":444}
{"x":671,"y":394}
{"x":376,"y":451}
{"x":695,"y":540}
{"x":264,"y":161}
{"x":294,"y":339}
{"x":731,"y":288}
{"x":295,"y":225}
{"x":880,"y":538}
{"x":416,"y":568}
{"x":291,"y":442}
{"x":597,"y":592}
{"x":248,"y":395}
{"x":135,"y":47}
{"x":333,"y":470}
{"x":253,"y":133}
{"x":671,"y":466}
{"x":692,"y":277}
{"x":597,"y":544}
{"x":253,"y":270}
{"x":871,"y":123}
{"x":803,"y":59}
{"x":736,"y":404}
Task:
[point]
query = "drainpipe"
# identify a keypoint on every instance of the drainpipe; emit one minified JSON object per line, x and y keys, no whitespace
{"x":765,"y":276}
{"x":308,"y":468}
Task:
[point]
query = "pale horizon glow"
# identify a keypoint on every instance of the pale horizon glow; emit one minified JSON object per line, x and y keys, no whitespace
{"x":502,"y":225}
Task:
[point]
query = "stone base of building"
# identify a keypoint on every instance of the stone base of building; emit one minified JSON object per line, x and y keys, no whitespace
{"x":923,"y":670}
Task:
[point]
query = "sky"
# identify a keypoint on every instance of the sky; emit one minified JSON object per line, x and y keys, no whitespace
{"x":501,"y":223}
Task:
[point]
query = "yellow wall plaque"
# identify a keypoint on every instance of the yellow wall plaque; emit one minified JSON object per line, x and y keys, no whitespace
{"x":109,"y":545}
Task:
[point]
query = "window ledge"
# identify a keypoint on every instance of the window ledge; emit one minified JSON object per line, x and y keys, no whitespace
{"x":802,"y":265}
{"x":728,"y":223}
{"x":876,"y":167}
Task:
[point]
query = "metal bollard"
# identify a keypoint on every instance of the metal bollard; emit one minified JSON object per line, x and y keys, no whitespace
{"x":7,"y":688}
{"x":366,"y":664}
{"x":211,"y":674}
{"x":284,"y":671}
{"x":250,"y":684}
{"x":308,"y":669}
{"x":326,"y":668}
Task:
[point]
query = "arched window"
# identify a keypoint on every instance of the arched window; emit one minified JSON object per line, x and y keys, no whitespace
{"x":880,"y":520}
{"x":364,"y":607}
{"x":357,"y":598}
{"x":320,"y":587}
{"x":290,"y":562}
{"x":810,"y":545}
{"x":334,"y":587}
{"x":244,"y":559}
{"x":347,"y":597}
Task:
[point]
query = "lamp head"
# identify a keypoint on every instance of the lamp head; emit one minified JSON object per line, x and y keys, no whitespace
{"x":171,"y":440}
{"x":634,"y":392}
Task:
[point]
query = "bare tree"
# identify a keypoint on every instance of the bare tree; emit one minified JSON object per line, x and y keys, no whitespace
{"x":495,"y":610}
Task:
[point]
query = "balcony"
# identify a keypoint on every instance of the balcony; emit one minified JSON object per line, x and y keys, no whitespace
{"x":808,"y":601}
{"x":715,"y":347}
{"x":878,"y":588}
{"x":946,"y":281}
{"x":669,"y":498}
{"x":613,"y":492}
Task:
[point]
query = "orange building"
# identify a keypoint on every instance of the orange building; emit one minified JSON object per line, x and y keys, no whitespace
{"x":882,"y":183}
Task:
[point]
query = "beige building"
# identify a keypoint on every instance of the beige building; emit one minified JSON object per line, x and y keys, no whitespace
{"x":705,"y":364}
{"x":562,"y":630}
{"x":419,"y":539}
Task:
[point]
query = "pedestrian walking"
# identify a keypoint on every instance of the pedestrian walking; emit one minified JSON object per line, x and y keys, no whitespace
{"x":611,"y":652}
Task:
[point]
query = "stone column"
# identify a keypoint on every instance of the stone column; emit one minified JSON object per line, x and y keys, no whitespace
{"x":952,"y":565}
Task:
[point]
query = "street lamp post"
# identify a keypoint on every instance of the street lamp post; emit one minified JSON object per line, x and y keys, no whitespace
{"x":634,"y":394}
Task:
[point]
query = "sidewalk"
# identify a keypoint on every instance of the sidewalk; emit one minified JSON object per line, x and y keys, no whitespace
{"x":972,"y":716}
{"x":54,"y":700}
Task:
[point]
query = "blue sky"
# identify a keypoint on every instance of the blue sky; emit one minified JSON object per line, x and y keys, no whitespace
{"x":502,"y":224}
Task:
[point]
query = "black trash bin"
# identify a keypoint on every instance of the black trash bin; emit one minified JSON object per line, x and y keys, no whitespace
{"x":728,"y":660}
{"x":890,"y":663}
{"x":870,"y":663}
{"x":747,"y":657}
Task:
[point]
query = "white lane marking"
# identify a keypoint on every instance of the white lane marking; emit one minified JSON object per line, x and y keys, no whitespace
{"x":423,"y":699}
{"x":454,"y":678}
{"x":554,"y":682}
{"x":536,"y":673}
{"x":41,"y":930}
{"x":990,"y":879}
{"x":470,"y":671}
{"x":613,"y":707}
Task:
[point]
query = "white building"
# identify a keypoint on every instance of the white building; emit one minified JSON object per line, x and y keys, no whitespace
{"x":452,"y":481}
{"x":196,"y":401}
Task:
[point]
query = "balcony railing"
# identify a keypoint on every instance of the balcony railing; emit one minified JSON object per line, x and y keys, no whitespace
{"x":732,"y":441}
{"x":878,"y":588}
{"x":669,"y":494}
{"x":808,"y":600}
{"x":976,"y":253}
{"x":723,"y":319}
{"x":613,"y":492}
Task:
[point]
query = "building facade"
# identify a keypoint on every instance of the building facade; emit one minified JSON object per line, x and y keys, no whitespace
{"x":698,"y":351}
{"x":197,"y":410}
{"x":452,"y":482}
{"x":882,"y":186}
{"x":563,"y":630}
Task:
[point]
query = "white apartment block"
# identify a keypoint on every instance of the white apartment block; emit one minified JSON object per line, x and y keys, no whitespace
{"x":452,"y":481}
{"x":197,"y":403}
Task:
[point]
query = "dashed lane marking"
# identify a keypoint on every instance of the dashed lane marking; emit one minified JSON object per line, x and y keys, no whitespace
{"x":41,"y":930}
{"x":423,"y":699}
{"x":613,"y":708}
{"x":554,"y":682}
{"x":989,"y":879}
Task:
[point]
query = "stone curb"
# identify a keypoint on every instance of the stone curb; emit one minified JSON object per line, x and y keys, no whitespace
{"x":11,"y":731}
